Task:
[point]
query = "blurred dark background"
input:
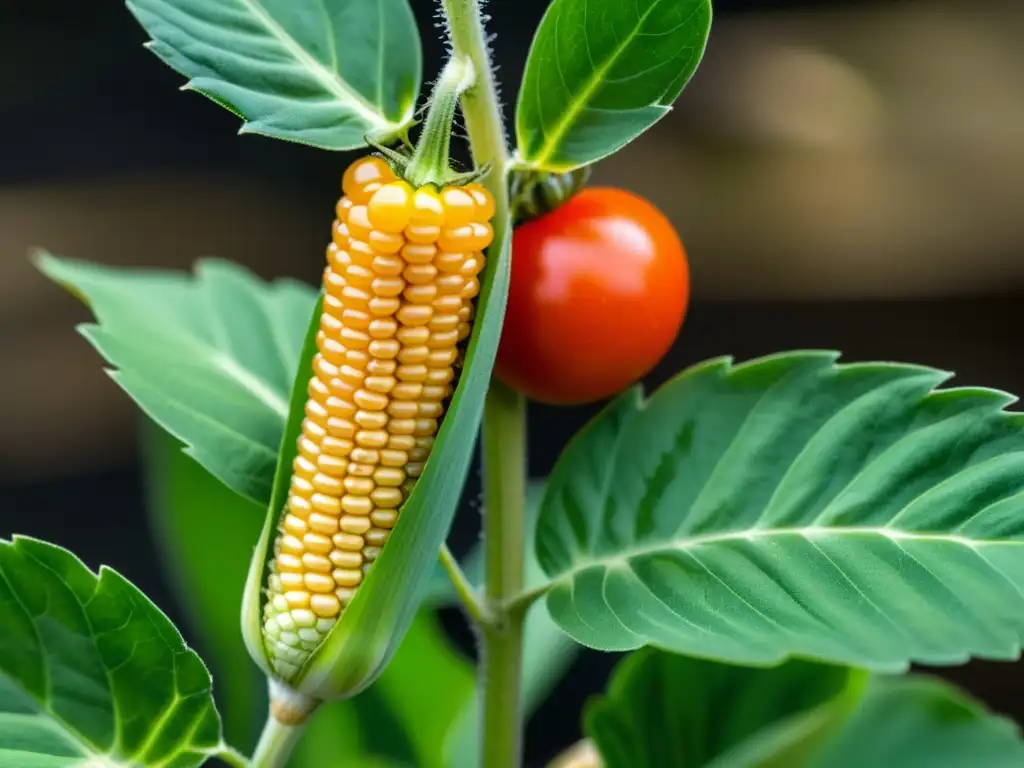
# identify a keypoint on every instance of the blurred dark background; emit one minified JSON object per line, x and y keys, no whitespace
{"x":847,"y":175}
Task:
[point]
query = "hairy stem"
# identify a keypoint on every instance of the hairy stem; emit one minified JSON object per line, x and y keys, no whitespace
{"x":429,"y":163}
{"x":480,"y":106}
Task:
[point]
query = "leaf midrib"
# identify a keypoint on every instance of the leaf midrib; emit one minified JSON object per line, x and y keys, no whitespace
{"x":251,"y":383}
{"x":619,"y":559}
{"x":218,"y":359}
{"x":331,"y":80}
{"x":591,"y":85}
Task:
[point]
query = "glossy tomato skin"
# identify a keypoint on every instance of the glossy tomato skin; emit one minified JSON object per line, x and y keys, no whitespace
{"x":599,"y":290}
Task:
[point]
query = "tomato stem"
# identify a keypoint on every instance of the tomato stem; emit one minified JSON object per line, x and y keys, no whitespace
{"x":430,"y":160}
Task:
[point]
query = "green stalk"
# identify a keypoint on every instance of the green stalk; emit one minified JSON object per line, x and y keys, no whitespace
{"x":286,"y":722}
{"x":504,"y":449}
{"x":429,"y":163}
{"x":480,"y":103}
{"x":504,"y":433}
{"x":276,"y":744}
{"x":464,"y":590}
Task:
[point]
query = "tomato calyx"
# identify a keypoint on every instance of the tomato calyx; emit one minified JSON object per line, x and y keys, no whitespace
{"x":535,"y":193}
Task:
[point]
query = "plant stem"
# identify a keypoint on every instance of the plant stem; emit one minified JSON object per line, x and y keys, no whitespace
{"x":289,"y":713}
{"x":504,"y":448}
{"x":480,"y":106}
{"x":504,"y":432}
{"x":276,"y":744}
{"x":429,"y":163}
{"x":465,"y":591}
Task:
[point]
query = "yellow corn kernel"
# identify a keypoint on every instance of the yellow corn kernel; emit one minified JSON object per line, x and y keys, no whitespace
{"x":364,"y":177}
{"x":459,"y":207}
{"x":402,"y":272}
{"x":484,"y":201}
{"x":427,"y":208}
{"x":391,"y":207}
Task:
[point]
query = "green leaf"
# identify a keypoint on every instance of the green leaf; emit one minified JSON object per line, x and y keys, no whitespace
{"x":922,"y":722}
{"x":320,"y":72}
{"x":662,"y":709}
{"x":794,"y":506}
{"x":209,"y":357}
{"x":602,"y":72}
{"x":29,"y":738}
{"x":96,"y":674}
{"x":372,"y":626}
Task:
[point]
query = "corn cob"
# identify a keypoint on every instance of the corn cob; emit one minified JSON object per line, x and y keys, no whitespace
{"x":402,"y":273}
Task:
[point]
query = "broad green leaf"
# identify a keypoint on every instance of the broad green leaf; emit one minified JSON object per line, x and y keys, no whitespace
{"x":662,"y":709}
{"x":210,"y":357}
{"x":95,"y":673}
{"x":794,"y":506}
{"x":922,"y":722}
{"x":320,"y":72}
{"x":374,"y":623}
{"x":601,"y":72}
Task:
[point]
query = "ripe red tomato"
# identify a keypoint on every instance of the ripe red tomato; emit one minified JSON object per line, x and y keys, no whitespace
{"x":600,"y":287}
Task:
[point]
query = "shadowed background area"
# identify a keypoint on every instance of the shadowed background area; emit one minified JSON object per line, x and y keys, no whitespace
{"x":847,"y":175}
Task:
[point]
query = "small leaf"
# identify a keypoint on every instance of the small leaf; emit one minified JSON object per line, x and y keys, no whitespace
{"x":372,"y":626}
{"x":662,"y":709}
{"x":96,"y":674}
{"x":922,"y":722}
{"x":320,"y":72}
{"x":209,"y":357}
{"x":601,"y":72}
{"x":793,"y":506}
